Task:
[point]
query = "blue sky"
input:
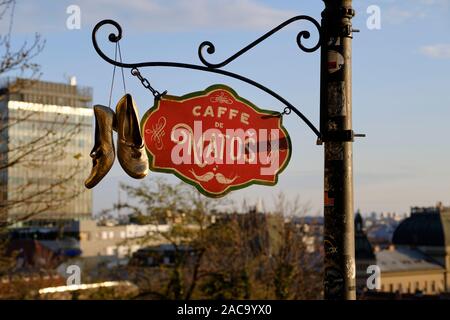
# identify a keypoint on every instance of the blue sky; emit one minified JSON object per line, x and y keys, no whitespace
{"x":401,"y":89}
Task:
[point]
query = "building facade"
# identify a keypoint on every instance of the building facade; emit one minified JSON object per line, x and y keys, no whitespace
{"x":45,"y":141}
{"x":418,"y":260}
{"x":406,"y":270}
{"x":85,"y":241}
{"x":118,"y":241}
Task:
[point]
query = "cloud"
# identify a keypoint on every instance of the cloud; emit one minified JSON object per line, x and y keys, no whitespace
{"x":398,"y":12}
{"x":435,"y":2}
{"x":153,"y":15}
{"x":397,"y":15}
{"x":181,"y":15}
{"x":437,"y":51}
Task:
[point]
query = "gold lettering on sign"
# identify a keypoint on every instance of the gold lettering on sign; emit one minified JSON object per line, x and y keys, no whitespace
{"x":220,"y":112}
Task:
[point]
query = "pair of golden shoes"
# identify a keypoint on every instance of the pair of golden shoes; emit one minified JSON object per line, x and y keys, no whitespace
{"x":130,"y":146}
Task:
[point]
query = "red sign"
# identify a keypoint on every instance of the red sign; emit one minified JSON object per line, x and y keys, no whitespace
{"x":215,"y":140}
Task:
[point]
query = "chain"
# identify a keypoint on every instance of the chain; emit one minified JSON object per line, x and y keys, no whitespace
{"x":135,"y":72}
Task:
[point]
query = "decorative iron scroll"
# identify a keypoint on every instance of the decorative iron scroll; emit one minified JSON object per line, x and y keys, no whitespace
{"x":210,"y":48}
{"x":215,"y":67}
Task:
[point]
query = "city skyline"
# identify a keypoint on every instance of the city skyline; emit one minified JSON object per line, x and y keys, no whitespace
{"x":402,"y":161}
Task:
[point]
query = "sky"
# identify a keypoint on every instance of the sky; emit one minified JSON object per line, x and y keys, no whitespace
{"x":401,"y":83}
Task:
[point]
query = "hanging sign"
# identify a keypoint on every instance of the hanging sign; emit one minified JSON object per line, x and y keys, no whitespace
{"x":215,"y":140}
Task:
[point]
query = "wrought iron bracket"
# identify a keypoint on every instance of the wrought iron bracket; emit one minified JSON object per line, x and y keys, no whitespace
{"x":215,"y":67}
{"x":340,"y":136}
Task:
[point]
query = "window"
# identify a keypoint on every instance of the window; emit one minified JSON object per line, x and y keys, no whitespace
{"x":391,"y":287}
{"x":134,"y":248}
{"x":85,"y":236}
{"x":104,"y":235}
{"x":433,"y":286}
{"x":111,"y":234}
{"x":122,"y":234}
{"x":122,"y":251}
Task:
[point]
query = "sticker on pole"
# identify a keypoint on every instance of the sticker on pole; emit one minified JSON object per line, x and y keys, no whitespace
{"x":335,"y":61}
{"x":215,"y":140}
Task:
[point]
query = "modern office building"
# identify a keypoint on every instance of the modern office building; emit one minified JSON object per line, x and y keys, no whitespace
{"x":45,"y":140}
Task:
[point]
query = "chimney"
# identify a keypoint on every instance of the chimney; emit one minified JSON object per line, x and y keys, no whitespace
{"x":73,"y":81}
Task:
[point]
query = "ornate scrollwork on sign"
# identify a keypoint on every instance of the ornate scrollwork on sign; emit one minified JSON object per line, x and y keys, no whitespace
{"x":304,"y":34}
{"x":215,"y":68}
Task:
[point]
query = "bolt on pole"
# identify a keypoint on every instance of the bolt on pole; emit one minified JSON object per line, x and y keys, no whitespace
{"x":337,"y":136}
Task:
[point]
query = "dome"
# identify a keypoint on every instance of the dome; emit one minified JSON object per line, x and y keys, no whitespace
{"x":423,"y":228}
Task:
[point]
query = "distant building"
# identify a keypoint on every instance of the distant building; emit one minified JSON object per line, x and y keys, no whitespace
{"x":380,"y":228}
{"x":86,"y":239}
{"x":408,"y":270}
{"x":26,"y":285}
{"x":118,"y":241}
{"x":418,"y":261}
{"x":162,"y":255}
{"x":312,"y":230}
{"x":29,"y":108}
{"x":363,"y":254}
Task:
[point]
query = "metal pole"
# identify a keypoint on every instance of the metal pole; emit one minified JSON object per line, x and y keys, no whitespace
{"x":337,"y":134}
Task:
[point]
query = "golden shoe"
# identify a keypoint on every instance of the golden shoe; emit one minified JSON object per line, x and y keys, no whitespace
{"x":130,"y":146}
{"x":102,"y":153}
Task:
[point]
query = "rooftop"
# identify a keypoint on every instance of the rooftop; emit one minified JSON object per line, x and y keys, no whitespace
{"x":405,"y":259}
{"x":45,"y":92}
{"x":425,"y":227}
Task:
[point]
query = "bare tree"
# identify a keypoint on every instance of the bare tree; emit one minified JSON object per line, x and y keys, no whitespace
{"x":43,"y":153}
{"x":19,"y":59}
{"x":189,"y":215}
{"x":263,"y":256}
{"x":219,"y":254}
{"x":40,"y":155}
